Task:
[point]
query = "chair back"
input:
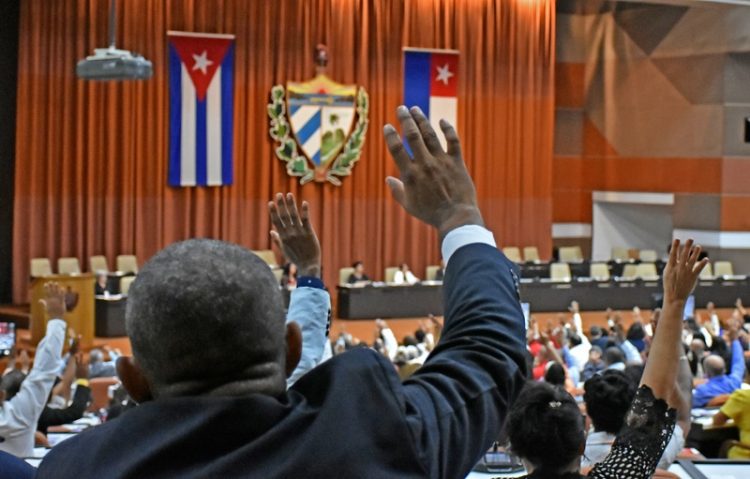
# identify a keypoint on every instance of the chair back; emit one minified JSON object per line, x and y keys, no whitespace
{"x":344,"y":274}
{"x":646,"y":271}
{"x":268,"y":256}
{"x":127,"y":263}
{"x":390,"y":272}
{"x":68,"y":266}
{"x":430,"y":272}
{"x":620,"y":253}
{"x":630,"y":271}
{"x":98,"y":263}
{"x":513,"y":253}
{"x":571,"y":254}
{"x":99,"y":393}
{"x":560,"y":272}
{"x":40,"y":267}
{"x":723,"y":268}
{"x":599,"y":271}
{"x":648,"y":255}
{"x":531,"y":253}
{"x":708,"y":272}
{"x":125,"y":283}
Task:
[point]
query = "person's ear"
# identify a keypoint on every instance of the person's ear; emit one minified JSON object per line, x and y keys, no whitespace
{"x":293,"y":347}
{"x":133,"y":379}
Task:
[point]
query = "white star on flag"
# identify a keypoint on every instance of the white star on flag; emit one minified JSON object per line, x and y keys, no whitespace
{"x":202,"y":62}
{"x":444,"y":74}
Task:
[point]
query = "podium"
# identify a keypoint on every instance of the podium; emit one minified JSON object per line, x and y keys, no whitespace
{"x":81,"y":318}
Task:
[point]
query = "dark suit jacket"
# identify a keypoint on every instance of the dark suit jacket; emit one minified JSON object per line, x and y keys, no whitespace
{"x":350,"y":417}
{"x":57,"y":417}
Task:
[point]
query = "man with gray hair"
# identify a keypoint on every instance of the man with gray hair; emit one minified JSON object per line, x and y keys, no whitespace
{"x":98,"y":367}
{"x":211,"y":356}
{"x":714,"y":368}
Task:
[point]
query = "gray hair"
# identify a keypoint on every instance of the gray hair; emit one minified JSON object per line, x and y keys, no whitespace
{"x":206,"y":317}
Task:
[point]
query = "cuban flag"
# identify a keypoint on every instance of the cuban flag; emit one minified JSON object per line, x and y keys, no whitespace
{"x":431,"y":83}
{"x":201,"y":109}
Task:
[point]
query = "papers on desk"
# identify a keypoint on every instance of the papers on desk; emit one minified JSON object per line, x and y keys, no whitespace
{"x":55,"y":438}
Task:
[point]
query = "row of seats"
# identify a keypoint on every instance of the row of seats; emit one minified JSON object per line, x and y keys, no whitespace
{"x":126,"y":263}
{"x":430,"y":273}
{"x":560,"y":272}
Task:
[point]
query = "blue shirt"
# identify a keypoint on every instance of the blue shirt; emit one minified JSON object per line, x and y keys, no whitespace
{"x":725,"y":384}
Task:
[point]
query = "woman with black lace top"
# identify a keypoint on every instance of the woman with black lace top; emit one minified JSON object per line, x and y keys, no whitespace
{"x":546,"y":428}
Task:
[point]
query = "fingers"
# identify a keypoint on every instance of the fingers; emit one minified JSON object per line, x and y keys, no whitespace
{"x":411,"y":133}
{"x":276,"y":239}
{"x":429,"y":136}
{"x":291,"y":205}
{"x":396,"y":148}
{"x":451,"y":137}
{"x":273,"y":212}
{"x":673,"y":251}
{"x":699,"y":266}
{"x":306,"y":216}
{"x":397,"y":190}
{"x":685,"y":252}
{"x":283,"y":210}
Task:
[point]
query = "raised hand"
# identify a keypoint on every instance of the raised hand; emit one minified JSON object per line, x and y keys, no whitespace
{"x":434,"y":185}
{"x":294,"y":234}
{"x":682,"y":271}
{"x":54,"y":300}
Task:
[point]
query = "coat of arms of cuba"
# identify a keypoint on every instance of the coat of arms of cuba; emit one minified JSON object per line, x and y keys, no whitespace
{"x":318,"y":126}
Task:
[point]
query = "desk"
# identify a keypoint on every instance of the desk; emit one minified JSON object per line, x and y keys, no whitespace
{"x":421,"y":300}
{"x":110,"y":316}
{"x":372,"y":302}
{"x":706,"y":437}
{"x":80,"y":318}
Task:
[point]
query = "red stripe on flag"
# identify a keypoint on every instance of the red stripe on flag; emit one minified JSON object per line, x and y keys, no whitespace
{"x":444,"y":74}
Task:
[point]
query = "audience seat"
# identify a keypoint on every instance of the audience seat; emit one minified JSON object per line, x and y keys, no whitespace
{"x":648,"y":256}
{"x":620,"y":254}
{"x":125,"y":283}
{"x":430,"y":272}
{"x":390,"y":273}
{"x":99,"y":393}
{"x":68,"y":266}
{"x":630,"y":271}
{"x":513,"y":253}
{"x":560,"y":272}
{"x":127,"y":263}
{"x":98,"y":263}
{"x":723,"y":268}
{"x":268,"y":256}
{"x":530,"y":253}
{"x":344,"y":274}
{"x":571,"y":254}
{"x":599,"y":271}
{"x":707,"y":272}
{"x":646,"y":271}
{"x":41,"y":267}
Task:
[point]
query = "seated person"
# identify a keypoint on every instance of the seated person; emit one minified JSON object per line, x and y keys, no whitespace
{"x":201,"y":415}
{"x":737,"y":408}
{"x":19,"y":414}
{"x":404,"y":275}
{"x":614,"y":359}
{"x":69,"y":413}
{"x":101,"y":286}
{"x":594,"y":365}
{"x":98,"y":367}
{"x":358,"y":276}
{"x":546,"y":428}
{"x":719,"y":382}
{"x":608,"y":397}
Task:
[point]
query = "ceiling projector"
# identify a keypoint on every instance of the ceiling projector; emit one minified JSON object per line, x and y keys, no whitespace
{"x":111,"y":63}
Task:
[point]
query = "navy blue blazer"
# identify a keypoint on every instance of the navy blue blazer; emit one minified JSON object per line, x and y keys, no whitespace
{"x":350,"y":417}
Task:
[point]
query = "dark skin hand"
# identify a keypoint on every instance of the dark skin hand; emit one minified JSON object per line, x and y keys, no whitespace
{"x":434,"y":186}
{"x":54,"y":300}
{"x":294,"y":234}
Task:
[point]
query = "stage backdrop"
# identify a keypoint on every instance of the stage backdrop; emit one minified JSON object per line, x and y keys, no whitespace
{"x":91,"y":158}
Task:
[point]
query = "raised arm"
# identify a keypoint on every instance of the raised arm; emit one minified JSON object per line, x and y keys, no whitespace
{"x":457,"y":402}
{"x":737,"y":370}
{"x":310,"y":304}
{"x":650,"y":422}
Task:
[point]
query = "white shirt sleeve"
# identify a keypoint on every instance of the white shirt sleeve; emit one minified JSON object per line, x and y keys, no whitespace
{"x":465,"y":235}
{"x":390,"y":342}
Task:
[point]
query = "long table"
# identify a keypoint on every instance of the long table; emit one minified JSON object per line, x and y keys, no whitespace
{"x":421,"y":300}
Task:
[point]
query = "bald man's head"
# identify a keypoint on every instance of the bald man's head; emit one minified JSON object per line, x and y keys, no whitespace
{"x":714,"y":366}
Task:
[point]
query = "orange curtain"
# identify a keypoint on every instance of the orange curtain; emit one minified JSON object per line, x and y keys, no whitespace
{"x":91,"y":158}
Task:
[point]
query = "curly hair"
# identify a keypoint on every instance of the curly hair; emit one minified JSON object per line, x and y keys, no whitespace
{"x":545,"y":427}
{"x":608,"y":397}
